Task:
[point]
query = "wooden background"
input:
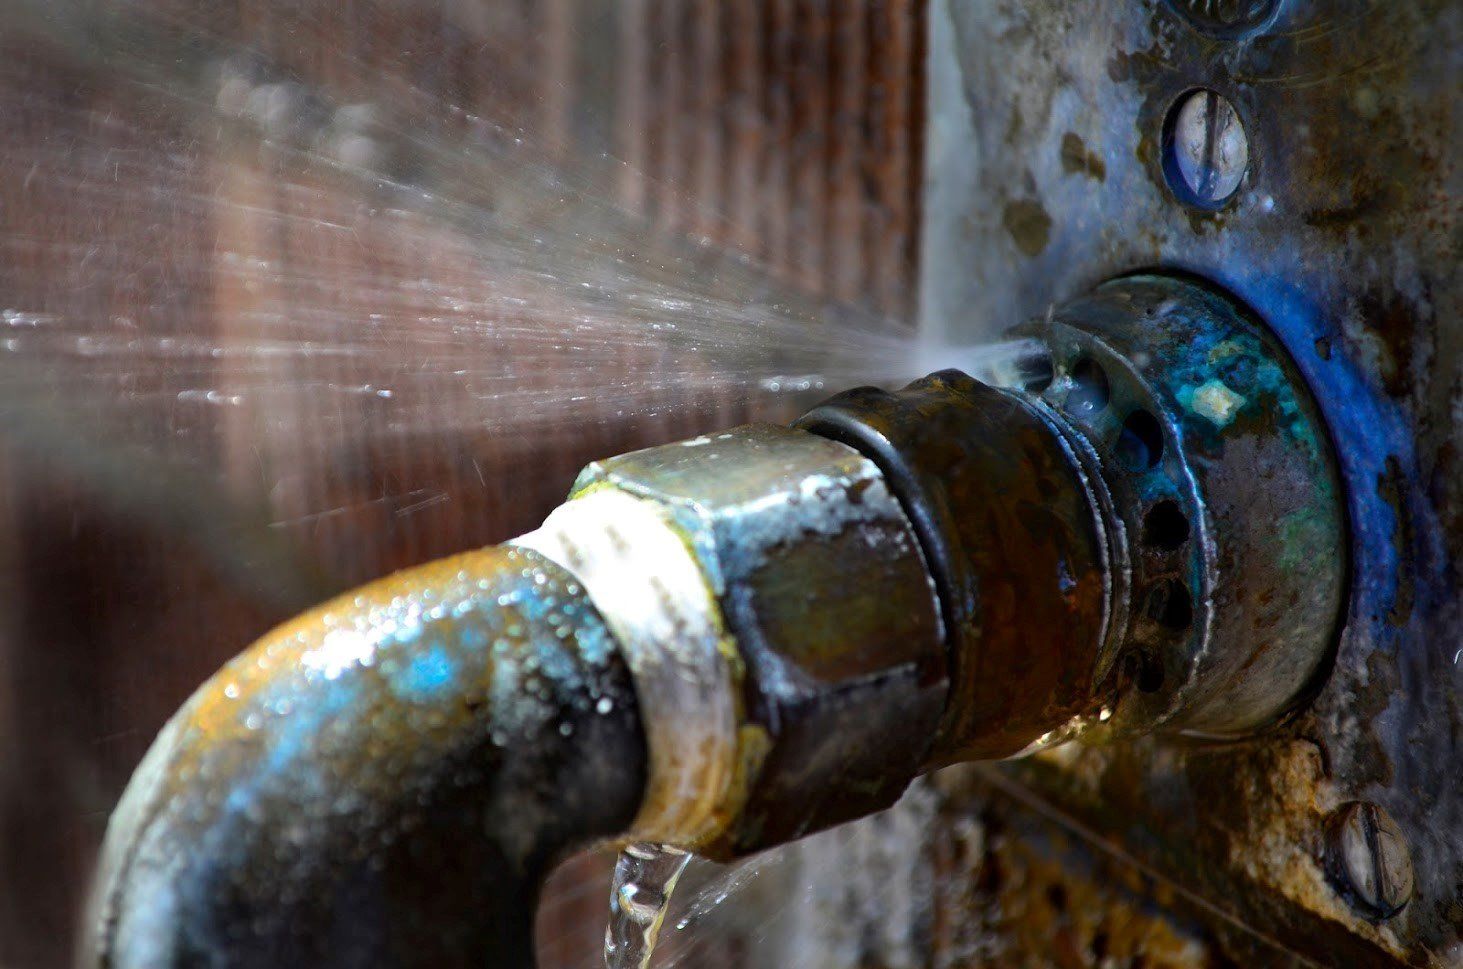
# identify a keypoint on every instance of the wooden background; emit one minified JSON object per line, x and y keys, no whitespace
{"x":148,"y":531}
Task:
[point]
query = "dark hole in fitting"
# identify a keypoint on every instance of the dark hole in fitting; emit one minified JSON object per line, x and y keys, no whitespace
{"x":1089,"y":393}
{"x":1150,"y":674}
{"x":1144,"y":670}
{"x":1165,"y":526}
{"x":1035,"y":371}
{"x":1140,"y":444}
{"x":1169,"y":605}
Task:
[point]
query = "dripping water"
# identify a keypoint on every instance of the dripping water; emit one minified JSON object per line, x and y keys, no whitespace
{"x":645,"y":876}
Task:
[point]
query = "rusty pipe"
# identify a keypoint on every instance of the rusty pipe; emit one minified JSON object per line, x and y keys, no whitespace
{"x":384,"y":780}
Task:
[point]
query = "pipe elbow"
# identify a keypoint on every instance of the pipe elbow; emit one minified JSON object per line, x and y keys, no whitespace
{"x":673,"y":657}
{"x":384,"y":780}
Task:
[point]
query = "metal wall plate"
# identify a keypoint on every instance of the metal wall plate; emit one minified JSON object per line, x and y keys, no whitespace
{"x":1046,"y":176}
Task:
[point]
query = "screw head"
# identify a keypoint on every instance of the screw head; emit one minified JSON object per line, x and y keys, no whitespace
{"x":1369,"y":859}
{"x":1206,"y":151}
{"x":1227,"y":18}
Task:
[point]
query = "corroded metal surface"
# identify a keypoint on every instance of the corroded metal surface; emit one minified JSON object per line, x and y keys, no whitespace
{"x":1369,"y":859}
{"x":821,"y":580}
{"x":1144,"y":533}
{"x":1046,"y":178}
{"x":806,"y":626}
{"x":1017,"y":544}
{"x":1225,"y":484}
{"x":386,"y":779}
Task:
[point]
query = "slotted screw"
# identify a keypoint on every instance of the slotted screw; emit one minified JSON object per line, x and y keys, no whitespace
{"x":1370,"y":860}
{"x":1208,"y":149}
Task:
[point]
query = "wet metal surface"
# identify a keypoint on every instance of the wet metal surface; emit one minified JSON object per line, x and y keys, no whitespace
{"x":386,"y":779}
{"x":635,"y":565}
{"x":163,"y":241}
{"x":1144,"y":533}
{"x":795,"y":531}
{"x":1016,"y":545}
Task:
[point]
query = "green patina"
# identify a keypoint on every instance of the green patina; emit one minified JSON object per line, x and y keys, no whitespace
{"x":1302,"y":532}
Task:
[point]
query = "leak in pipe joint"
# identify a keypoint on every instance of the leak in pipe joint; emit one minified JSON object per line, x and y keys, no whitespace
{"x":730,"y":642}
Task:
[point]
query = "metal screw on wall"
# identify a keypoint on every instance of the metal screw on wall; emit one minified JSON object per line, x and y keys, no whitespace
{"x":1230,"y":19}
{"x":1368,"y":858}
{"x":1206,"y":150}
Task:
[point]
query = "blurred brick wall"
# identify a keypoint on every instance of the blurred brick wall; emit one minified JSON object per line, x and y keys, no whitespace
{"x":142,"y":545}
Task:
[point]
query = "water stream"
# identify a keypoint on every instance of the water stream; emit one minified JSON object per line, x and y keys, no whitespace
{"x":645,"y":877}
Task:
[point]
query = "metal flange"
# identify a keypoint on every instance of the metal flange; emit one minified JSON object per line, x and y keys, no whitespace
{"x":1224,"y":480}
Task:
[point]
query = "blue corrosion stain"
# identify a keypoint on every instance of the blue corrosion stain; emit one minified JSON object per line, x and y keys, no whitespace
{"x":291,"y":717}
{"x":1222,"y":371}
{"x":291,"y":763}
{"x":427,"y":675}
{"x":594,"y":640}
{"x":536,"y":606}
{"x":296,"y":712}
{"x":551,"y":659}
{"x":473,"y":637}
{"x":1374,"y":430}
{"x":307,"y":711}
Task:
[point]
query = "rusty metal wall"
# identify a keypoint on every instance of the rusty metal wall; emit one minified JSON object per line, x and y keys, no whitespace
{"x":150,"y":531}
{"x":1332,"y":839}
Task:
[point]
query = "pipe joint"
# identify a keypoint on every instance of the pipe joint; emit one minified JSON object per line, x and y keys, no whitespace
{"x":841,"y":687}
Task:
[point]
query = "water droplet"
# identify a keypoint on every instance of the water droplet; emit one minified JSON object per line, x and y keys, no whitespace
{"x":641,"y":904}
{"x":645,"y":876}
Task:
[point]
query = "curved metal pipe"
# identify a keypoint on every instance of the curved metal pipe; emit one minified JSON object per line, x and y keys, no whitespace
{"x":384,"y":780}
{"x":679,"y":655}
